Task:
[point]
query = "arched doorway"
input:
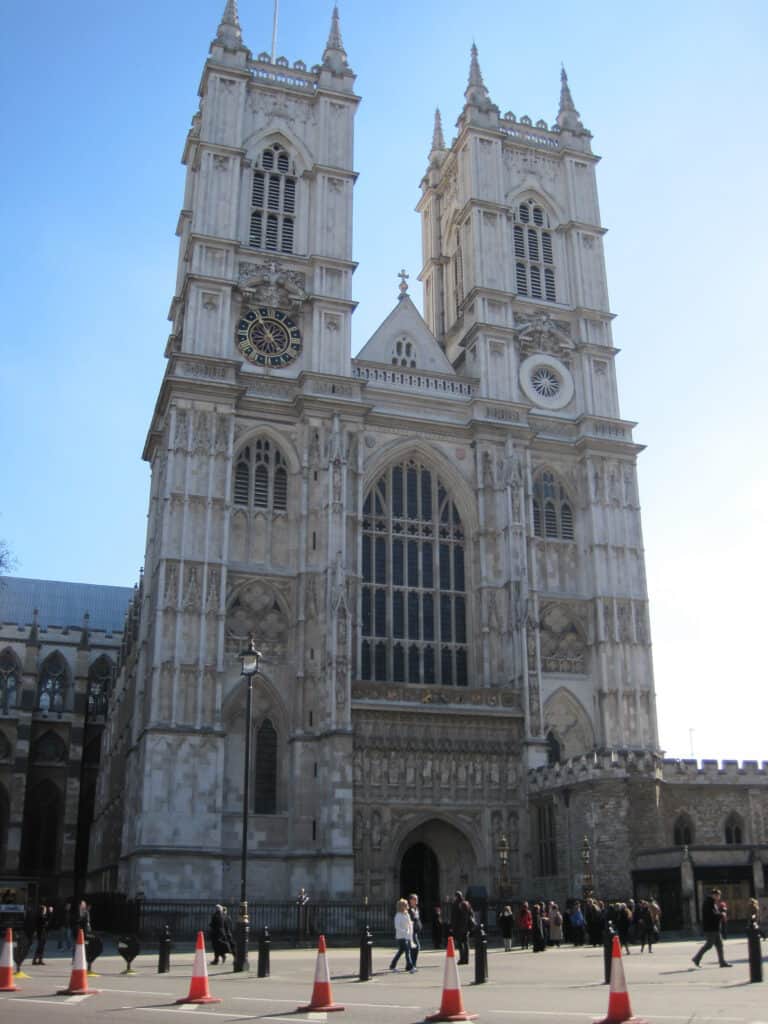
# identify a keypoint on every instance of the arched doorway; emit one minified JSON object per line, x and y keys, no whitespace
{"x":420,"y":873}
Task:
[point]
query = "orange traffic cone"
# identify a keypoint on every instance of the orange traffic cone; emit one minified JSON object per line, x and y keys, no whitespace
{"x":198,"y":988}
{"x":619,"y":1009}
{"x":322,"y":997}
{"x":6,"y":964}
{"x":452,"y":1005}
{"x":78,"y":980}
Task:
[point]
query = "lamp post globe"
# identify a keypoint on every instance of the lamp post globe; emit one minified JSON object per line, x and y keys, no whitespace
{"x":250,"y":659}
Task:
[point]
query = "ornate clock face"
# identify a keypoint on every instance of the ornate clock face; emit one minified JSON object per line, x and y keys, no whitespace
{"x":268,"y":337}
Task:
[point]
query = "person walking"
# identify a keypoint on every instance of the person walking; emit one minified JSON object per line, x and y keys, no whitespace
{"x":506,"y":922}
{"x":577,"y":924}
{"x":710,"y":925}
{"x":217,"y":933}
{"x":42,"y":924}
{"x":415,"y":916}
{"x":623,"y":921}
{"x":403,"y":937}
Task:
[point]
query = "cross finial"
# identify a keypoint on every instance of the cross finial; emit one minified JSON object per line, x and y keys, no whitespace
{"x":403,"y":284}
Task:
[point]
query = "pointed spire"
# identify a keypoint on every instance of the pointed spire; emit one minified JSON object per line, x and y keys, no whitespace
{"x":438,"y":140}
{"x":229,"y":29}
{"x":476,"y":93}
{"x":335,"y":56}
{"x":568,"y":117}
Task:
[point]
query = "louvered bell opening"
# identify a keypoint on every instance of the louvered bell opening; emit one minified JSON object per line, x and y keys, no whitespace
{"x":537,"y":519}
{"x":280,"y":499}
{"x":522,"y":279}
{"x":254,"y":236}
{"x":535,"y":282}
{"x":533,"y":244}
{"x":261,"y":487}
{"x":566,"y":521}
{"x":289,"y":195}
{"x":273,"y":194}
{"x":287,"y":236}
{"x":272,"y":229}
{"x":549,"y":285}
{"x":550,"y":519}
{"x":241,"y":483}
{"x":519,"y":242}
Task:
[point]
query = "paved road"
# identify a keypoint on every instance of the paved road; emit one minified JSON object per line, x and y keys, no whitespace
{"x":563,"y":985}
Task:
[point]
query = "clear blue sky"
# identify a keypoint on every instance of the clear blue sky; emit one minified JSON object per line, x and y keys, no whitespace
{"x":97,"y":101}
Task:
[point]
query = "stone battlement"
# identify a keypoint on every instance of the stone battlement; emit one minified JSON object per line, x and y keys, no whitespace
{"x":611,"y":764}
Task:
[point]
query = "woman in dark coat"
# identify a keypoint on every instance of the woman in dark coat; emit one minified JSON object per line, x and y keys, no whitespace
{"x":539,"y":938}
{"x":217,"y":931}
{"x":506,"y":922}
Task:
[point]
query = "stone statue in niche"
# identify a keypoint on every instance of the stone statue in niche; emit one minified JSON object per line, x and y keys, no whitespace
{"x":376,"y":830}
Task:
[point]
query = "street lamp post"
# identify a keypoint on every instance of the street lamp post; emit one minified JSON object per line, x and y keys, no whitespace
{"x":502,"y":850}
{"x":586,"y":858}
{"x":249,"y":660}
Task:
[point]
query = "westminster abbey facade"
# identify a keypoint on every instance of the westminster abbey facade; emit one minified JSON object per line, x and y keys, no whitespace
{"x":436,"y":544}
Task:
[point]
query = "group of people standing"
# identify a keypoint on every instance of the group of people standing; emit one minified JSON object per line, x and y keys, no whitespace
{"x":66,"y":920}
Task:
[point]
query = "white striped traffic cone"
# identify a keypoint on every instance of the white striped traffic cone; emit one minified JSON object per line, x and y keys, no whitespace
{"x":78,"y":979}
{"x":322,"y":997}
{"x":619,"y":1010}
{"x":198,"y":987}
{"x":452,"y":1004}
{"x":6,"y":964}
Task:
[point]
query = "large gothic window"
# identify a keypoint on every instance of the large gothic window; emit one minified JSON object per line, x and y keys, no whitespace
{"x":54,"y":690}
{"x":273,"y":201}
{"x":552,"y":509}
{"x":265,"y":770}
{"x":100,"y":677}
{"x":534,"y":255}
{"x":261,"y":477}
{"x":10,"y":681}
{"x":734,"y":830}
{"x":683,"y":832}
{"x":413,"y":604}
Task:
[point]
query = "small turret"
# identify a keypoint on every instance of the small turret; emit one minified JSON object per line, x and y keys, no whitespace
{"x":568,"y":117}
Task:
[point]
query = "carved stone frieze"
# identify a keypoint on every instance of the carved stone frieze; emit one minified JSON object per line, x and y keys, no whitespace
{"x":481,"y":697}
{"x":271,"y":284}
{"x":541,"y":333}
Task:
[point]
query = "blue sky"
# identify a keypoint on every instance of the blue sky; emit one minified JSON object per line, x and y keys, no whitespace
{"x":97,"y":101}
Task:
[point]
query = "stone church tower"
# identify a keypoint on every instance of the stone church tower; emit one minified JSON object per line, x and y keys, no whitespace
{"x":436,"y":544}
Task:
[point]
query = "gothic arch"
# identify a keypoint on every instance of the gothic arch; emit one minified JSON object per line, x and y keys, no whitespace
{"x":282,"y":441}
{"x":43,"y":818}
{"x":460,"y":855}
{"x":734,"y":832}
{"x":566,"y":719}
{"x":683,"y":830}
{"x":10,"y":680}
{"x":260,"y":140}
{"x":256,"y":606}
{"x":531,"y":188}
{"x":54,"y":688}
{"x":268,"y":706}
{"x":49,"y":748}
{"x":460,"y":490}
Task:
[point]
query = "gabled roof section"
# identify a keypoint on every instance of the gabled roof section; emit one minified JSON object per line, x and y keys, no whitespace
{"x":405,"y":341}
{"x":63,"y":604}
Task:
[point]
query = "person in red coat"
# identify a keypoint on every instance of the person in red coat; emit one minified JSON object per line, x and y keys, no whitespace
{"x":525,"y":925}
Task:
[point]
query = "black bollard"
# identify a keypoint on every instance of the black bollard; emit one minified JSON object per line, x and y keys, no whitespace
{"x":94,"y":947}
{"x":608,"y":934}
{"x":20,"y":949}
{"x":262,"y":964}
{"x":481,"y":955}
{"x":366,"y":954}
{"x":128,"y":947}
{"x":164,"y":958}
{"x":755,"y":953}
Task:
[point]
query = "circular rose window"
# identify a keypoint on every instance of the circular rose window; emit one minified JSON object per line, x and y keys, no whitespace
{"x":546,"y":381}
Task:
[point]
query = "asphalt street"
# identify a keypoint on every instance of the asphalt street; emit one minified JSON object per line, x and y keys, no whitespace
{"x":555,"y":986}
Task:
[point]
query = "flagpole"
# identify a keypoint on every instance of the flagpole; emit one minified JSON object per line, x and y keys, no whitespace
{"x":274,"y":30}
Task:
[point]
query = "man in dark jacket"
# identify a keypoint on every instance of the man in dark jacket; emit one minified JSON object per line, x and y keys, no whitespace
{"x":461,"y":923}
{"x":711,"y":914}
{"x":415,"y":916}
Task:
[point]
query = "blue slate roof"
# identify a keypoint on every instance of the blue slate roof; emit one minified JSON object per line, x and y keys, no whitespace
{"x":63,"y":604}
